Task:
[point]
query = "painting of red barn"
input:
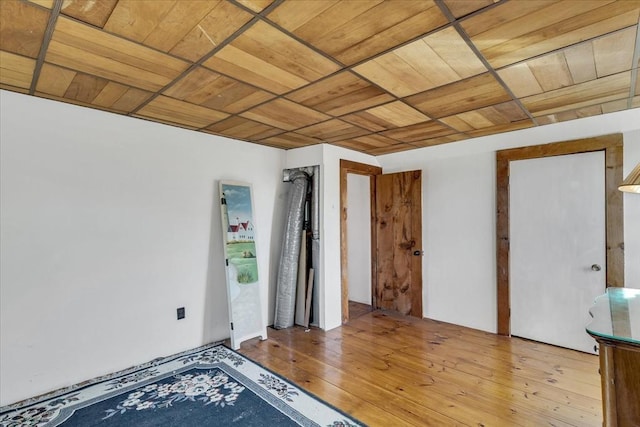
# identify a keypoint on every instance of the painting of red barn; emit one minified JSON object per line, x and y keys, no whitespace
{"x":243,"y":286}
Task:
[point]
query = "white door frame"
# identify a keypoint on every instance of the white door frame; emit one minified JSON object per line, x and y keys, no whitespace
{"x":612,"y":146}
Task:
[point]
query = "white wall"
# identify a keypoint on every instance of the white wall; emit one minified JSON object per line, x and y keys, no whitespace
{"x":359,"y":238}
{"x":111,"y":223}
{"x":108,"y":225}
{"x":329,"y":286}
{"x":459,"y":213}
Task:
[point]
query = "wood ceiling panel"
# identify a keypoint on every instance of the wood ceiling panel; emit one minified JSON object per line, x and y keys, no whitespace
{"x":137,"y":19}
{"x":469,"y":94}
{"x":397,"y":148}
{"x":332,"y":130}
{"x":204,"y":87}
{"x":551,"y":71}
{"x":54,"y":80}
{"x":270,"y":59}
{"x":85,"y":88}
{"x":260,"y":70}
{"x":44,"y":3}
{"x":189,"y":29}
{"x":88,"y":90}
{"x":340,"y":94}
{"x":351,"y":31}
{"x":223,"y":21}
{"x":22,"y":27}
{"x":613,"y":106}
{"x":290,"y":140}
{"x":510,"y":19}
{"x":580,"y":63}
{"x":83,"y":48}
{"x":367,"y":121}
{"x":460,"y":8}
{"x":504,"y":113}
{"x":92,"y":12}
{"x":433,"y":61}
{"x":503,"y":128}
{"x":110,"y":94}
{"x":515,"y":31}
{"x":256,"y":5}
{"x":285,"y":114}
{"x":520,"y":80}
{"x":495,"y":115}
{"x":457,"y":122}
{"x":602,"y":90}
{"x":16,"y":70}
{"x":593,"y":110}
{"x":239,"y":127}
{"x":172,"y":110}
{"x":418,"y":132}
{"x":366,"y":143}
{"x":130,"y":100}
{"x":388,"y":116}
{"x":66,"y":100}
{"x":614,"y":53}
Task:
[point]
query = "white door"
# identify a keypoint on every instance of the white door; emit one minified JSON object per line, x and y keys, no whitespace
{"x":557,"y":247}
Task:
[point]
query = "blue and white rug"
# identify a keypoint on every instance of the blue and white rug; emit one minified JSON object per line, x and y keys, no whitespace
{"x":214,"y":386}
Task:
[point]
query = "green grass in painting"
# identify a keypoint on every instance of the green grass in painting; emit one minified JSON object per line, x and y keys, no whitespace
{"x":243,"y":256}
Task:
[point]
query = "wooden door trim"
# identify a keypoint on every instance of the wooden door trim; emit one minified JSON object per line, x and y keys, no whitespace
{"x":613,"y":148}
{"x":347,"y":167}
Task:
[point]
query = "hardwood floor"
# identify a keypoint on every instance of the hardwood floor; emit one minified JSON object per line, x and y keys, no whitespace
{"x":390,"y":370}
{"x":357,"y":309}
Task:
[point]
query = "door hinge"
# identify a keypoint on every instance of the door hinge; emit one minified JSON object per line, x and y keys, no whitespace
{"x":232,"y":326}
{"x":226,"y":261}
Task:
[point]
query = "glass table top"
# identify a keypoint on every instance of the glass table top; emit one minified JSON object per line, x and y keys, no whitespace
{"x":616,"y":315}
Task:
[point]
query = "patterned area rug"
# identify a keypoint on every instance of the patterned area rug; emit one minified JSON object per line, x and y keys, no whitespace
{"x":209,"y":387}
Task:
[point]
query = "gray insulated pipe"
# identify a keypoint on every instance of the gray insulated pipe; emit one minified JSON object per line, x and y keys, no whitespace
{"x":288,"y":268}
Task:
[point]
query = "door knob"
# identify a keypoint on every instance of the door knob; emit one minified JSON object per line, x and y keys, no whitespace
{"x":596,"y":267}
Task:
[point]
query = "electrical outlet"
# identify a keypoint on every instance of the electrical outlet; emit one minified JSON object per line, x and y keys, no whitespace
{"x":181,"y":313}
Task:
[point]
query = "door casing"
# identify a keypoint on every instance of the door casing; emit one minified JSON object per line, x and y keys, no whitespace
{"x":612,"y":146}
{"x":347,"y":167}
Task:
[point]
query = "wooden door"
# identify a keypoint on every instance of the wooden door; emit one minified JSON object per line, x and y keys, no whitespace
{"x":399,"y":242}
{"x":558,"y":258}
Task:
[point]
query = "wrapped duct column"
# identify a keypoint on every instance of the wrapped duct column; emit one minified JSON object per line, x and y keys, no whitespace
{"x":288,"y":268}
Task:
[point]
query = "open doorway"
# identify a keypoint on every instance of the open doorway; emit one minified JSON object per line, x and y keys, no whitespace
{"x":359,"y":245}
{"x":360,"y":174}
{"x":395,"y":251}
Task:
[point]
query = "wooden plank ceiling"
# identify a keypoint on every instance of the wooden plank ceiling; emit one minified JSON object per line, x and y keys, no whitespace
{"x":377,"y":76}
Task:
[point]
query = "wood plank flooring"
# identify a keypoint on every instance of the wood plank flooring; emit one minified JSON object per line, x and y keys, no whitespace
{"x":390,"y":370}
{"x":357,"y":309}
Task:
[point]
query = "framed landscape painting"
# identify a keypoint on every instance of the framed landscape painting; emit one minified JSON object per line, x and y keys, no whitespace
{"x":241,"y":263}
